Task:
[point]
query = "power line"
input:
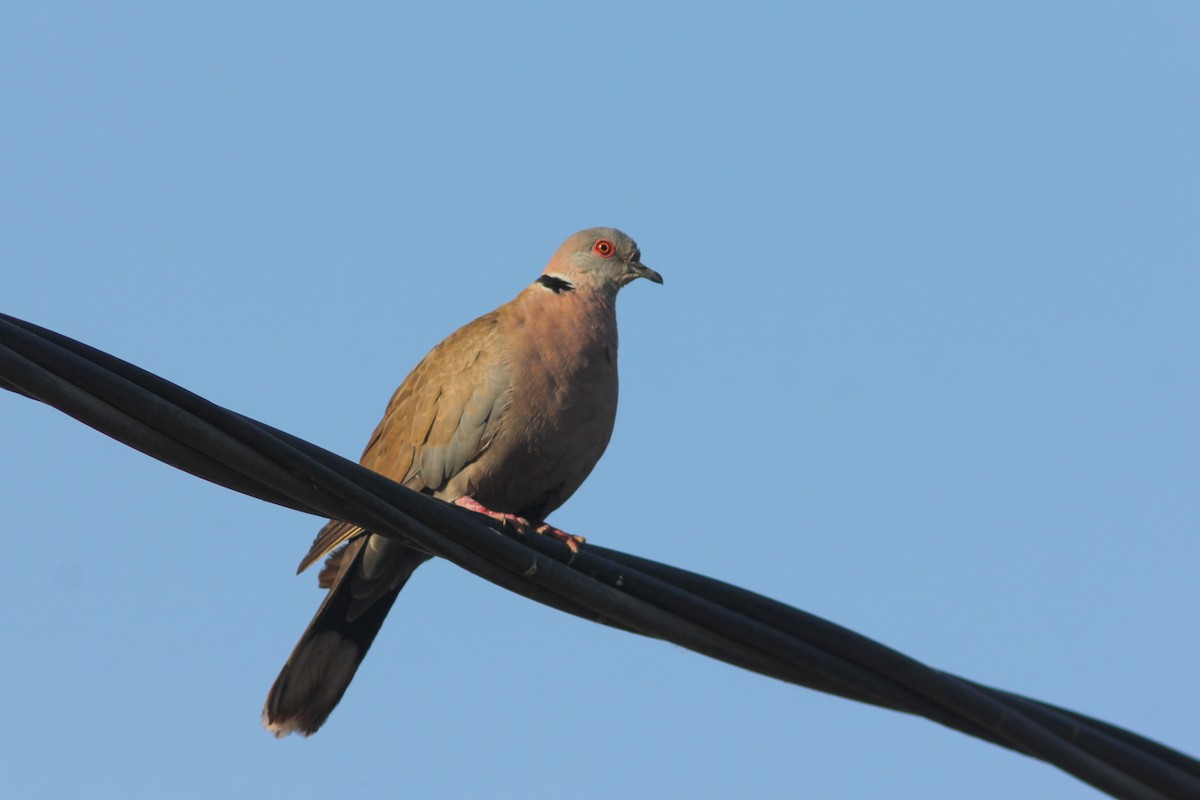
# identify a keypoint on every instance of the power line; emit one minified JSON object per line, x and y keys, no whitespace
{"x":717,"y":619}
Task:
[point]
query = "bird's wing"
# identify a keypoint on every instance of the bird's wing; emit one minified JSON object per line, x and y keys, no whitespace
{"x":439,"y":421}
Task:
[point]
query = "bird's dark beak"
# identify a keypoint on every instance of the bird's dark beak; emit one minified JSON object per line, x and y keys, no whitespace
{"x":640,"y":270}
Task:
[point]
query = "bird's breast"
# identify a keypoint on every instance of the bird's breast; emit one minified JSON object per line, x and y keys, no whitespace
{"x":559,"y":411}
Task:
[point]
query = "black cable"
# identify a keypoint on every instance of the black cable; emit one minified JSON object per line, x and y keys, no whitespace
{"x":720,"y":620}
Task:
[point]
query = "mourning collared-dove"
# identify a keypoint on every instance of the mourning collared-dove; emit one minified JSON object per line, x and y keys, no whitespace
{"x":506,"y":416}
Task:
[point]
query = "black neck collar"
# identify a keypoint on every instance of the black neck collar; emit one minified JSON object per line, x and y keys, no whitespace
{"x":556,"y":284}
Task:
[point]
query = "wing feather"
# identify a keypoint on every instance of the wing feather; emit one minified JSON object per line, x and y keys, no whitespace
{"x":437,"y":423}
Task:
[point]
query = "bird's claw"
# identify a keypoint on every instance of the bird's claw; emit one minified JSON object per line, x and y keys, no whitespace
{"x":569,"y":539}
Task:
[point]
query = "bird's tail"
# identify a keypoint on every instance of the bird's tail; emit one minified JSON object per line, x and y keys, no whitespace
{"x":364,"y":579}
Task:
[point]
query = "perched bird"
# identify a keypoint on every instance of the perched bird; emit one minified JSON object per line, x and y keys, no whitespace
{"x":507,"y":416}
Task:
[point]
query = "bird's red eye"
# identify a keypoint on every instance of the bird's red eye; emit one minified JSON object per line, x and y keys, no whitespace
{"x":604,"y":248}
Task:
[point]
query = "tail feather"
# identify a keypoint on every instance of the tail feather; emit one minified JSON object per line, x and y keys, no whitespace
{"x":325,"y":659}
{"x":333,"y":534}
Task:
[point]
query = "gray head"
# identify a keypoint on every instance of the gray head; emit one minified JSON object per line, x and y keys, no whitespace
{"x":599,"y":259}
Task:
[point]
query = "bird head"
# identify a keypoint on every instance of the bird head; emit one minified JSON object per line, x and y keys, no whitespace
{"x":602,"y":259}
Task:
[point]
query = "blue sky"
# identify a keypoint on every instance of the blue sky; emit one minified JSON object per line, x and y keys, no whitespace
{"x":924,"y":363}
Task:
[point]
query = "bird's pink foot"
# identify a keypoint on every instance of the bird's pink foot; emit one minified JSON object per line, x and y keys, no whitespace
{"x":570,"y":540}
{"x":521,"y":524}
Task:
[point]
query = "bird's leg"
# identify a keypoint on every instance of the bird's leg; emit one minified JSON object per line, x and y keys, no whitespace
{"x":521,"y":524}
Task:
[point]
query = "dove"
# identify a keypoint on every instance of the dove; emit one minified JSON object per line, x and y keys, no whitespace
{"x":506,"y":416}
